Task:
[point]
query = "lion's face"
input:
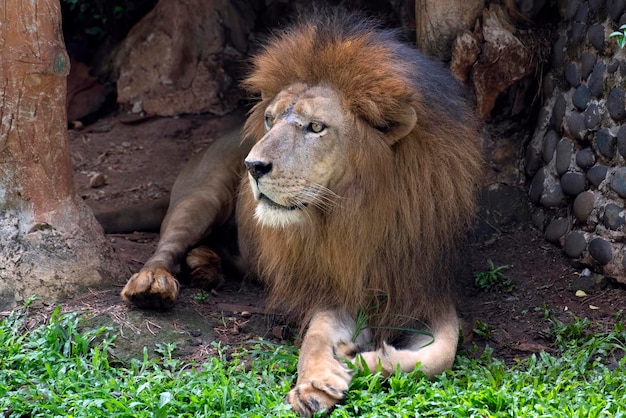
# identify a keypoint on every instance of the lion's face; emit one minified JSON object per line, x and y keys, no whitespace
{"x":293,"y":168}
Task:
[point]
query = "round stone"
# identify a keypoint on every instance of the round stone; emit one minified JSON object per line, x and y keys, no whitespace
{"x":570,"y":8}
{"x":615,"y":8}
{"x":596,"y":79}
{"x":612,"y":66}
{"x":592,"y":116}
{"x":576,"y":33}
{"x":597,"y":174}
{"x":581,"y":97}
{"x":615,"y":104}
{"x":585,"y":158}
{"x":587,"y":62}
{"x":564,"y":151}
{"x":558,"y":52}
{"x":605,"y":143}
{"x":574,"y":244}
{"x":532,"y":161}
{"x":596,"y":36}
{"x":556,"y":229}
{"x":595,"y":4}
{"x":583,"y":205}
{"x":618,"y":182}
{"x":553,"y":197}
{"x":576,"y":125}
{"x":621,"y":140}
{"x":536,"y":186}
{"x":549,"y":145}
{"x":613,"y":216}
{"x":558,"y":112}
{"x":573,"y":183}
{"x":601,"y":251}
{"x":571,"y":74}
{"x":582,"y":12}
{"x":538,"y":218}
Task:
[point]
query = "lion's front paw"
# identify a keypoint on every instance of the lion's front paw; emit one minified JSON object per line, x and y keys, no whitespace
{"x":151,"y":288}
{"x":320,"y":389}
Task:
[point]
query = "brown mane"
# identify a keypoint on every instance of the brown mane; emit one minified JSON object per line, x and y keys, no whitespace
{"x":384,"y":247}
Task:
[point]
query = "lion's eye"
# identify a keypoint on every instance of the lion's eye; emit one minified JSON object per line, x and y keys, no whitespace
{"x":269,"y":122}
{"x":316,"y":127}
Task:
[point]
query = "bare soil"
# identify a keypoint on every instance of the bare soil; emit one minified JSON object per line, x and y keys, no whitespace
{"x":140,"y":158}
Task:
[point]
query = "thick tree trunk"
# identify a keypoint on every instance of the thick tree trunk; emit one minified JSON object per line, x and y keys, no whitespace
{"x":50,"y":243}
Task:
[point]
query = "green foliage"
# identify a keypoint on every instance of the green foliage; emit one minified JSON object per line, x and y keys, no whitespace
{"x":56,"y":369}
{"x":483,"y":329}
{"x":201,"y":296}
{"x":620,"y":36}
{"x":493,"y":279}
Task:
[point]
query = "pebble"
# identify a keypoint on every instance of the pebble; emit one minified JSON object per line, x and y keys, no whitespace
{"x":532,"y":161}
{"x":97,"y":180}
{"x":621,"y":140}
{"x":585,"y":158}
{"x":571,"y":74}
{"x":596,"y":79}
{"x":601,"y":250}
{"x":573,"y":183}
{"x":549,"y":145}
{"x":595,"y":4}
{"x":612,"y":66}
{"x":575,"y":244}
{"x":581,"y":97}
{"x":196,"y":333}
{"x":605,"y":143}
{"x":615,"y":8}
{"x":587,"y":62}
{"x":553,"y":197}
{"x":583,"y":205}
{"x":576,"y":125}
{"x":556,"y":229}
{"x":597,"y":174}
{"x":577,"y":32}
{"x":582,"y":13}
{"x":536,"y":186}
{"x":558,"y":112}
{"x":592,"y":116}
{"x":570,"y":8}
{"x":615,"y":104}
{"x":618,"y":182}
{"x":564,"y":151}
{"x":558,"y":52}
{"x":538,"y":218}
{"x":613,"y":216}
{"x":596,"y":36}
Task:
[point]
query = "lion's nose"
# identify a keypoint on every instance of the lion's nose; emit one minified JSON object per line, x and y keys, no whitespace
{"x":258,"y":168}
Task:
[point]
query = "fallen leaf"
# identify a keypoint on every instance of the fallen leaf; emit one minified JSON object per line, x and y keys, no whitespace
{"x":581,"y":293}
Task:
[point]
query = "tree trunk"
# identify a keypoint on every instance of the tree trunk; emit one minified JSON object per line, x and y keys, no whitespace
{"x":50,"y":243}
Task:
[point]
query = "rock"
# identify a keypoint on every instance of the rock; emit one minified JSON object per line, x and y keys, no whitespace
{"x":564,"y":150}
{"x":581,"y":97}
{"x":613,"y":216}
{"x":575,"y":244}
{"x":618,"y":182}
{"x":538,"y":218}
{"x":553,"y":197}
{"x":587,"y":62}
{"x":573,"y":183}
{"x":558,"y":112}
{"x":615,"y":104}
{"x":556,"y":229}
{"x":615,"y":8}
{"x":97,"y":180}
{"x":621,"y":140}
{"x":576,"y":127}
{"x":465,"y":50}
{"x":558,"y":52}
{"x":549,"y":145}
{"x":532,"y":161}
{"x":571,"y":74}
{"x":605,"y":143}
{"x":583,"y":205}
{"x":536,"y":186}
{"x":592,"y":116}
{"x":612,"y":66}
{"x":576,"y":33}
{"x":596,"y":79}
{"x":585,"y":158}
{"x":596,"y":36}
{"x":588,"y":282}
{"x":601,"y":251}
{"x":597,"y":174}
{"x":568,"y":8}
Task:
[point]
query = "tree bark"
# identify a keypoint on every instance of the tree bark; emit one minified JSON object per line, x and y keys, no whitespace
{"x":50,"y":243}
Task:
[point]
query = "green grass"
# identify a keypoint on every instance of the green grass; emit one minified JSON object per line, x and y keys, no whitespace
{"x":56,"y":369}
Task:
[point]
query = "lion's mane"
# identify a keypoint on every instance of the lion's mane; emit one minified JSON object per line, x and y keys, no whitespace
{"x":383,"y":249}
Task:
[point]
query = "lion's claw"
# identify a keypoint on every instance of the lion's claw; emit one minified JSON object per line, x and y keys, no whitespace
{"x":151,"y":288}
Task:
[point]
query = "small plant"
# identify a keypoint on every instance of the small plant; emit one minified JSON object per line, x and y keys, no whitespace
{"x":201,"y":297}
{"x":483,"y":329}
{"x":493,"y":279}
{"x":621,"y":36}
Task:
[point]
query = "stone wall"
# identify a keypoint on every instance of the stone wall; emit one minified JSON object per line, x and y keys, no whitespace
{"x":577,"y":156}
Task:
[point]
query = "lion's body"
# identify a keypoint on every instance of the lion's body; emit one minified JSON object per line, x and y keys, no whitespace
{"x":361,"y":179}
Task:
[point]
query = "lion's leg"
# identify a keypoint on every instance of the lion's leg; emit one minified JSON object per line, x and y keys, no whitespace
{"x":323,"y":376}
{"x":435,"y":354}
{"x":202,"y":197}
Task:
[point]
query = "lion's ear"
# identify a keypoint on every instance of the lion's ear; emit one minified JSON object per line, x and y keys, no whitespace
{"x":400,"y":126}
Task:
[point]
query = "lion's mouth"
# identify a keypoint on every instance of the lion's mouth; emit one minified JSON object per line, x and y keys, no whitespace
{"x":263,"y":198}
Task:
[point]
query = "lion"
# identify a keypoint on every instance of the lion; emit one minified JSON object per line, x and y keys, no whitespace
{"x":354,"y":182}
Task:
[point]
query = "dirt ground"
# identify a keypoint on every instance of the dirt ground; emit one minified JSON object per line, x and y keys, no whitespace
{"x":140,"y":158}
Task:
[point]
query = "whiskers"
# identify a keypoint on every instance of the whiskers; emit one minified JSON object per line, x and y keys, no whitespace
{"x":318,"y":196}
